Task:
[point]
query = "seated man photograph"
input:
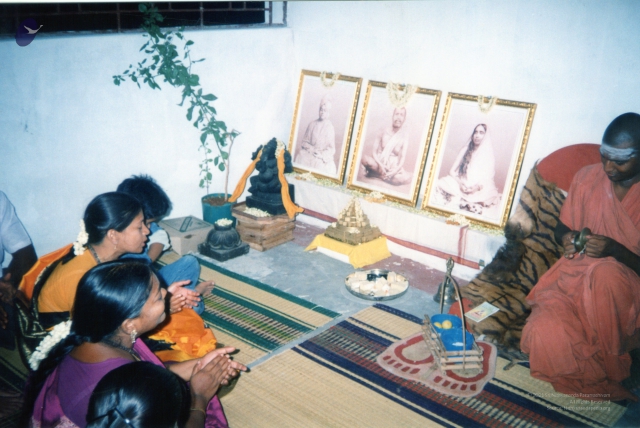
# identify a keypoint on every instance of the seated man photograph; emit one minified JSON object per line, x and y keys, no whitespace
{"x":585,"y":314}
{"x":390,"y":151}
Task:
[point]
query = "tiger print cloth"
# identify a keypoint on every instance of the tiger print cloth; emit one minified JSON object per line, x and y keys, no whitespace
{"x":530,"y":250}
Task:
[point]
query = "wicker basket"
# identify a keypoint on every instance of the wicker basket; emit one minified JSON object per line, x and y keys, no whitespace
{"x":451,"y":360}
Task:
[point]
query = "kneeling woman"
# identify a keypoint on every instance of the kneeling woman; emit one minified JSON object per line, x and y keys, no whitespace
{"x":115,"y":303}
{"x":115,"y":226}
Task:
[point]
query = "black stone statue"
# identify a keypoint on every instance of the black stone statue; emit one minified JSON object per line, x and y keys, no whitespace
{"x":265,"y":187}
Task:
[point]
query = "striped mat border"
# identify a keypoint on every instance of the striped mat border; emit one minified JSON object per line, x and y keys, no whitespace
{"x":333,"y":379}
{"x":254,"y":317}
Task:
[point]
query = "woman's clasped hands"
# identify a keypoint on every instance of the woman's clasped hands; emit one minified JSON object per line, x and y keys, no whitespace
{"x":213,"y":370}
{"x":179,"y":297}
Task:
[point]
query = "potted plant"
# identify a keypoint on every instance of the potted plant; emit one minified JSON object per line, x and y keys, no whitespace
{"x":165,"y":61}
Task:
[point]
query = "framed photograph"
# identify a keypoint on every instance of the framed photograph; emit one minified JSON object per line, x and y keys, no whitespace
{"x":323,"y":122}
{"x":393,"y":140}
{"x":477,"y":159}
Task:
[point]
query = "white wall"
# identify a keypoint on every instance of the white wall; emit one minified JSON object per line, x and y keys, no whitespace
{"x":67,"y":133}
{"x":579,"y":61}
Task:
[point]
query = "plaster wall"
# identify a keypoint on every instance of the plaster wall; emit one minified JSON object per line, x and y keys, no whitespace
{"x":68,"y":133}
{"x":577,"y":60}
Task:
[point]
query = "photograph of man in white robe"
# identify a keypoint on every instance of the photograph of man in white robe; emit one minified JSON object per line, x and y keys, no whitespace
{"x":390,"y":152}
{"x":318,"y":145}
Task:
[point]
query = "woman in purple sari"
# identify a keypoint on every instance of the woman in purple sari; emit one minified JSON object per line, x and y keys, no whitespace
{"x":114,"y":304}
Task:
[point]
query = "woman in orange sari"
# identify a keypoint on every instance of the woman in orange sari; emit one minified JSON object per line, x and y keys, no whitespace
{"x":114,"y":225}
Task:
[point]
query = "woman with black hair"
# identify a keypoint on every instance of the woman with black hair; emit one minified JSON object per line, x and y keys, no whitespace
{"x":114,"y":225}
{"x":115,"y":302}
{"x":139,"y":394}
{"x":470,"y":185}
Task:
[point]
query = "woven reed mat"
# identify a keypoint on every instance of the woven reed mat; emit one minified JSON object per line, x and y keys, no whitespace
{"x":251,"y":316}
{"x":333,"y":380}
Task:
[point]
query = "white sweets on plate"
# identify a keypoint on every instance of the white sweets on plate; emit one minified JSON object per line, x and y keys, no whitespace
{"x":376,"y":284}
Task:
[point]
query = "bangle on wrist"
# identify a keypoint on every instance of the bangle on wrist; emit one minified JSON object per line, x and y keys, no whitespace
{"x":195,"y":409}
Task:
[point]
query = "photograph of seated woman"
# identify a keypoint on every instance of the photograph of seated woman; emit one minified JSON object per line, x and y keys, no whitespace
{"x":115,"y":303}
{"x":386,"y":161}
{"x":139,"y":394}
{"x":470,"y":185}
{"x":318,"y":145}
{"x":115,"y":226}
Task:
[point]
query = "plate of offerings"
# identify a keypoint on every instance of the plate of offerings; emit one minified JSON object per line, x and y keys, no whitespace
{"x":376,"y":284}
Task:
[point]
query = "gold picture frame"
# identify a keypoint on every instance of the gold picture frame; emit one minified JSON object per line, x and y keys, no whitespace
{"x":404,"y":160}
{"x":478,"y":180}
{"x":323,"y":122}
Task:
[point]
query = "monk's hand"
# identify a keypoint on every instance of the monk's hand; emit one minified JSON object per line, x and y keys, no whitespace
{"x":599,"y":246}
{"x":567,"y":243}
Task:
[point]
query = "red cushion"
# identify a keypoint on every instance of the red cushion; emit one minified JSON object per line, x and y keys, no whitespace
{"x":560,"y":166}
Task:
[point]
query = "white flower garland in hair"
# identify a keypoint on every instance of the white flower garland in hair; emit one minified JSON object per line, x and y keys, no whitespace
{"x":81,"y":240}
{"x":486,"y":103}
{"x":400,"y":97}
{"x":330,"y":82}
{"x":54,"y":337}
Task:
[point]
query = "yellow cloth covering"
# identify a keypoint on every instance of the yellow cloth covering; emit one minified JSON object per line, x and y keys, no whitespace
{"x":359,"y":255}
{"x":243,"y":180}
{"x":291,"y":208}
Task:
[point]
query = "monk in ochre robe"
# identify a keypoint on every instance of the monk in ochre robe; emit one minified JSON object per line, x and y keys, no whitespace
{"x":585,"y":314}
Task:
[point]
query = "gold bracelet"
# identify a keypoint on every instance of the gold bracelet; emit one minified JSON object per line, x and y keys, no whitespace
{"x":199,"y":410}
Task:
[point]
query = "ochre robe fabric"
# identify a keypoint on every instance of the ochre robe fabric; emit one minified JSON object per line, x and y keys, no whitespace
{"x":586,"y":311}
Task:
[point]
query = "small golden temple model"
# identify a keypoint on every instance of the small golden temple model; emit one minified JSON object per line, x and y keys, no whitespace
{"x":353,"y":226}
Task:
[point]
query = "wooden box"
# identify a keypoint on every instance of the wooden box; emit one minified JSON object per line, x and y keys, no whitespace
{"x":186,"y":233}
{"x":262,"y":233}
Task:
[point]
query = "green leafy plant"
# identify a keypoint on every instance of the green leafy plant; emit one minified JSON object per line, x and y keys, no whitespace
{"x":165,"y":62}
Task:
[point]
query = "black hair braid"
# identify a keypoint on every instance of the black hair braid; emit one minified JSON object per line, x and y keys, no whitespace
{"x":462,"y":169}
